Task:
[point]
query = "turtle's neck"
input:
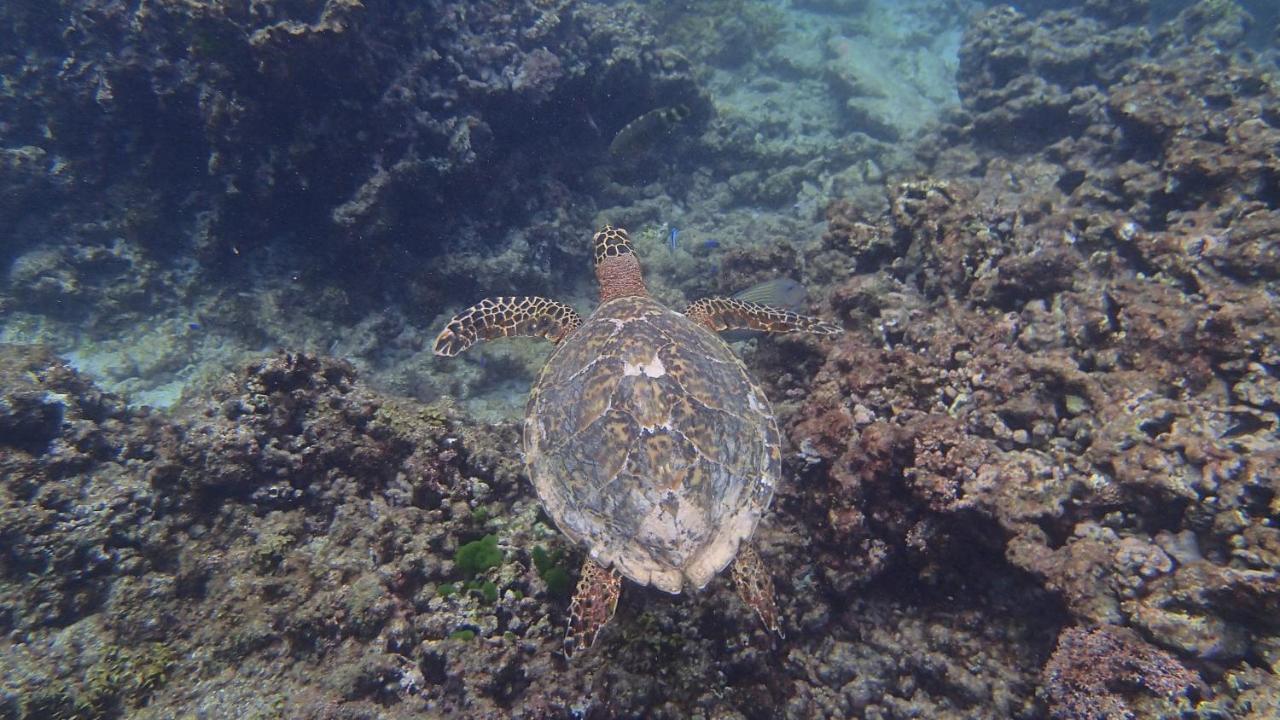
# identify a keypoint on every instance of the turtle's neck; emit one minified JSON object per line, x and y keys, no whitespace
{"x":619,"y":276}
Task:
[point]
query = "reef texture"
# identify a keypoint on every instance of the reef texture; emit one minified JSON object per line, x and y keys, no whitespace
{"x":187,"y":183}
{"x":1063,"y":354}
{"x":291,"y":520}
{"x":353,"y":130}
{"x":295,"y":545}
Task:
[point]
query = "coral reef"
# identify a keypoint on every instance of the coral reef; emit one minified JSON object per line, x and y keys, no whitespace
{"x":283,"y":545}
{"x":292,"y":516}
{"x":234,"y":133}
{"x":207,"y":181}
{"x":1057,"y":364}
{"x":1090,"y":668}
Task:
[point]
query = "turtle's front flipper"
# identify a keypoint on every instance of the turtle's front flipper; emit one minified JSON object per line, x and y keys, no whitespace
{"x":755,"y":587}
{"x":507,"y":317}
{"x":592,"y":607}
{"x":720,"y":314}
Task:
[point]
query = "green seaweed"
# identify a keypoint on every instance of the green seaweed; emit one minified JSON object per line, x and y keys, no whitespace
{"x":472,"y":559}
{"x":436,"y":415}
{"x":488,"y":591}
{"x":552,"y":573}
{"x":464,"y":635}
{"x":477,"y":556}
{"x":270,"y":550}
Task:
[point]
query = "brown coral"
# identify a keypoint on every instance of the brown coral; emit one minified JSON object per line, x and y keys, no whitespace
{"x":1092,"y":672}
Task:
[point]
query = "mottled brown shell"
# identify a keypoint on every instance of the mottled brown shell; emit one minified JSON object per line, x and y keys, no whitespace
{"x":649,"y":444}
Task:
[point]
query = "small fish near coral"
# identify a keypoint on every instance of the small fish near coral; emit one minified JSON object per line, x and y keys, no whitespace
{"x":673,"y":243}
{"x":597,"y":470}
{"x":645,"y":131}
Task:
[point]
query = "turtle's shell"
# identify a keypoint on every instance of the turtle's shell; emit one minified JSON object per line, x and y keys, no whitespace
{"x":648,"y":443}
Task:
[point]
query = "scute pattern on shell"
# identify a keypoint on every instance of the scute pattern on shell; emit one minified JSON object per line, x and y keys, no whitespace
{"x":648,"y":443}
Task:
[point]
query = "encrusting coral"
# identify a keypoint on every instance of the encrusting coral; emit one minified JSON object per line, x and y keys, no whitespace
{"x":1090,"y":669}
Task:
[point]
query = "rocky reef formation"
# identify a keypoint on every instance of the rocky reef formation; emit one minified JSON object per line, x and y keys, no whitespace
{"x":294,"y":545}
{"x":1064,"y":356}
{"x":291,"y":519}
{"x":352,"y":130}
{"x":192,"y":183}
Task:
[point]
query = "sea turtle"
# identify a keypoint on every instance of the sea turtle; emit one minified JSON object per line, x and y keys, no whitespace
{"x":644,"y":436}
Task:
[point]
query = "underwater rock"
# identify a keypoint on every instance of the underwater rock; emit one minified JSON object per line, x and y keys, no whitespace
{"x":111,"y":282}
{"x":251,"y":133}
{"x":850,"y":234}
{"x":1095,"y":673}
{"x":1222,"y":24}
{"x":1069,"y":347}
{"x":141,"y":529}
{"x":1034,"y":81}
{"x":73,"y":512}
{"x":832,"y":6}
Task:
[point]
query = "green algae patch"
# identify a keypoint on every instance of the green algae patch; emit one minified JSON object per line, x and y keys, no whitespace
{"x":477,"y":556}
{"x":270,"y":550}
{"x":551,"y":571}
{"x":471,"y":560}
{"x":488,"y":591}
{"x":463,"y":635}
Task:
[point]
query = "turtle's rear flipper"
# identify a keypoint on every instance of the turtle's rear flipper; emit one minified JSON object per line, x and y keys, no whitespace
{"x":507,"y":317}
{"x":755,"y":587}
{"x":593,"y":606}
{"x":720,"y":314}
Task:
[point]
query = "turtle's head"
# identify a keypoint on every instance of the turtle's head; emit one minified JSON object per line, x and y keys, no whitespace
{"x":617,"y":267}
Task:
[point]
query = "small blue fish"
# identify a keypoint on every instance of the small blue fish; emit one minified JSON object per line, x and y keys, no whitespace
{"x":672,"y":243}
{"x":710,"y":244}
{"x":193,"y":326}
